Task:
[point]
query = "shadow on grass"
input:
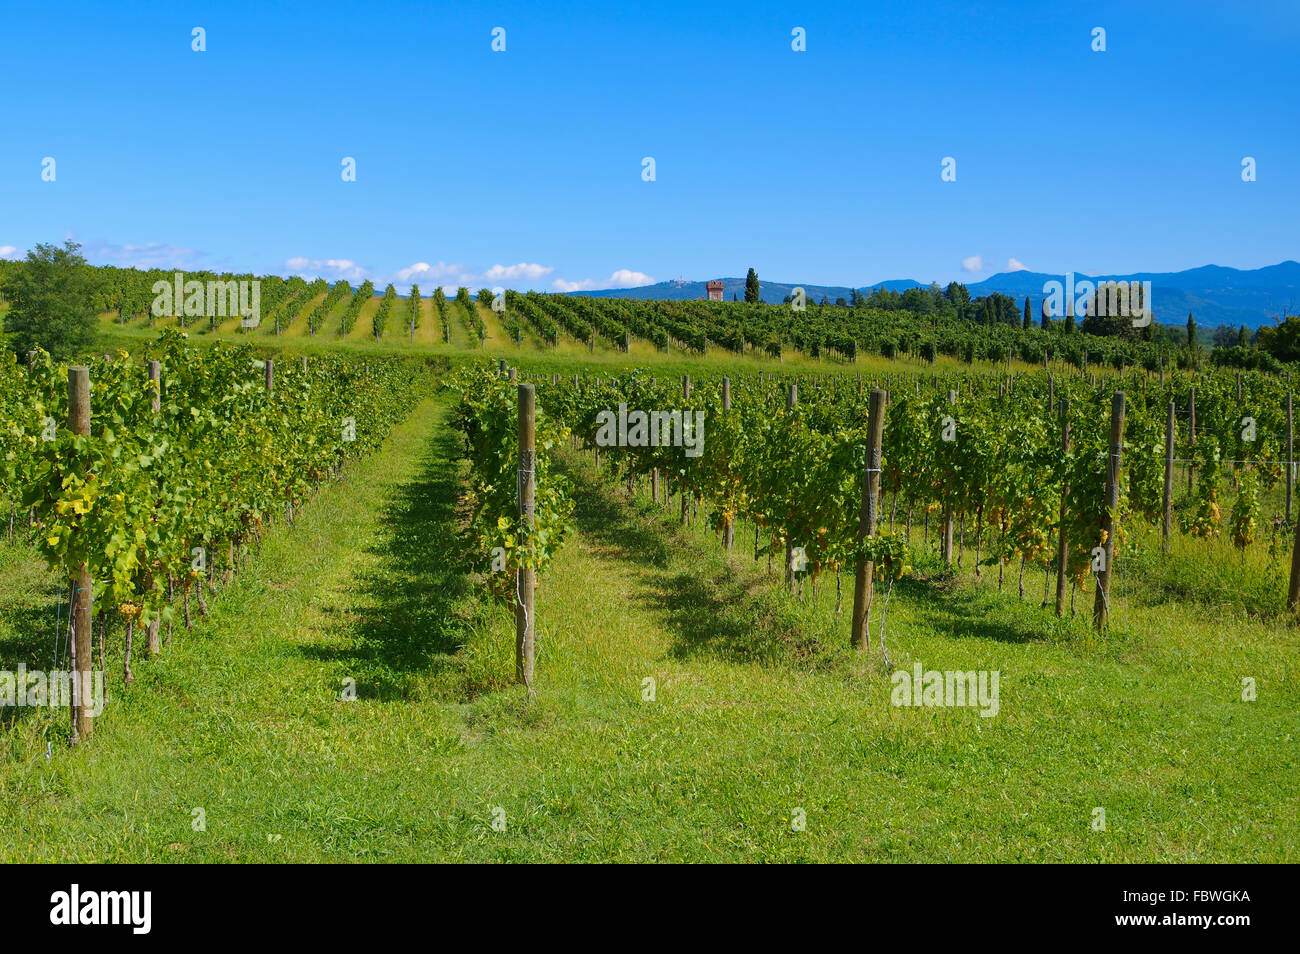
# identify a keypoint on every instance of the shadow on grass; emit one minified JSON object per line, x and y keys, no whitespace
{"x":710,"y":610}
{"x":979,"y":611}
{"x":613,"y":522}
{"x":737,"y":616}
{"x":418,"y":602}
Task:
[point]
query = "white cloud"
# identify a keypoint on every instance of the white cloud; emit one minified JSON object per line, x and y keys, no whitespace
{"x":1016,"y":265}
{"x":974,"y":263}
{"x":454,"y":276}
{"x":622,"y":278}
{"x":8,"y":251}
{"x":510,"y":273}
{"x":335,"y":268}
{"x":442,"y":273}
{"x":626,"y":278}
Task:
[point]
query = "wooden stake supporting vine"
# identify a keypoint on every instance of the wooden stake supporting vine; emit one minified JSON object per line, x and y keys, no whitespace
{"x":729,"y":524}
{"x":945,"y":541}
{"x":155,"y":386}
{"x":82,"y":694}
{"x":1110,"y":516}
{"x":1293,"y":589}
{"x":863,"y":583}
{"x":525,"y":618}
{"x":1290,"y":456}
{"x":1062,"y":538}
{"x":155,"y":380}
{"x":1168,"y":506}
{"x":791,"y":399}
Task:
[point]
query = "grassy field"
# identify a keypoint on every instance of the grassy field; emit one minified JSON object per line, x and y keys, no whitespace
{"x":761,"y":714}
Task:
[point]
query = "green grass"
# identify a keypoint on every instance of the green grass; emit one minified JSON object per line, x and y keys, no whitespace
{"x":760,"y":708}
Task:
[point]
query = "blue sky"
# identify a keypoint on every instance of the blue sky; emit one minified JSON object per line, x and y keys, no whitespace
{"x":524,"y":168}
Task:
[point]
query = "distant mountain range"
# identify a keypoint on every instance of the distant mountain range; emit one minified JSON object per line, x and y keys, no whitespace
{"x":1216,"y":295}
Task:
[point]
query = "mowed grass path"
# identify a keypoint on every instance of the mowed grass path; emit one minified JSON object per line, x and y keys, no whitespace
{"x":759,"y":713}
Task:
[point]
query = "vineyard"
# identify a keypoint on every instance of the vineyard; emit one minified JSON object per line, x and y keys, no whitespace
{"x":1015,"y":469}
{"x":166,"y":477}
{"x":920,"y":328}
{"x":605,"y":473}
{"x":736,"y":537}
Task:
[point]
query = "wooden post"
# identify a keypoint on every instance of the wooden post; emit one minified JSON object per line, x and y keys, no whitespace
{"x":155,"y":379}
{"x":525,"y":620}
{"x":1168,"y":508}
{"x":270,"y":375}
{"x":686,"y":396}
{"x":82,"y":687}
{"x":1290,"y":455}
{"x":729,"y":524}
{"x":945,"y":541}
{"x":514,"y":374}
{"x":791,"y":399}
{"x":862,"y":583}
{"x":1293,"y":591}
{"x":1109,"y":519}
{"x":304,"y":364}
{"x":1062,"y":538}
